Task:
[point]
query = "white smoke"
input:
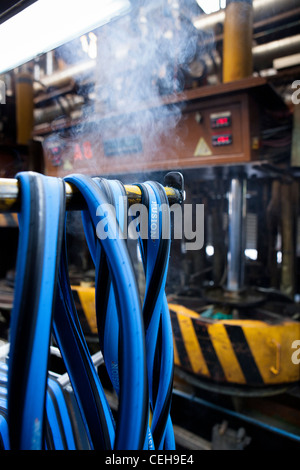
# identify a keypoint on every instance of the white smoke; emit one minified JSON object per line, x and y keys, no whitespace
{"x":142,"y":61}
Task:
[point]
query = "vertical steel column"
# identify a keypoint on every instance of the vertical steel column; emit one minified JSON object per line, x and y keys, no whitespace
{"x":236,"y":234}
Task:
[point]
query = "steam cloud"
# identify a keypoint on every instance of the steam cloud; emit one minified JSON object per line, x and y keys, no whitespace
{"x":141,"y":58}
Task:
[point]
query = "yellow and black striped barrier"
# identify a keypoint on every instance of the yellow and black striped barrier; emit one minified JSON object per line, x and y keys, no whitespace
{"x":84,"y":298}
{"x":9,"y":220}
{"x":237,"y":352}
{"x":250,"y":353}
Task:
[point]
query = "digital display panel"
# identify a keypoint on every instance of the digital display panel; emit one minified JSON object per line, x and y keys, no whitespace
{"x":220,"y":120}
{"x":221,"y":140}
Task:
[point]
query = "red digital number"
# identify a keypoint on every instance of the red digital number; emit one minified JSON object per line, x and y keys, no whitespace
{"x":85,"y":153}
{"x":223,"y":139}
{"x":77,"y":152}
{"x":87,"y":150}
{"x":222,"y":121}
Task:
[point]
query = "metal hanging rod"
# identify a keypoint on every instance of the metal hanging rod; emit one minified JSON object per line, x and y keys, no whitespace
{"x":10,"y":200}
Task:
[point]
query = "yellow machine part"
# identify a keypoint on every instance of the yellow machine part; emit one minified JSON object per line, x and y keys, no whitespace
{"x":84,"y":298}
{"x":242,"y":352}
{"x":9,"y":220}
{"x":24,"y":108}
{"x":237,"y":49}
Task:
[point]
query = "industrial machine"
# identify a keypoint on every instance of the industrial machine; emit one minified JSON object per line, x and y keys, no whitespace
{"x":234,"y":302}
{"x":222,"y":132}
{"x":211,"y":125}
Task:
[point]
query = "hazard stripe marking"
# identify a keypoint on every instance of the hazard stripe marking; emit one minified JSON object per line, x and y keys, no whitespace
{"x":226,"y":354}
{"x":209,"y":353}
{"x":87,"y":300}
{"x":83,"y":319}
{"x":181,"y":349}
{"x":244,"y":355}
{"x":192,"y":345}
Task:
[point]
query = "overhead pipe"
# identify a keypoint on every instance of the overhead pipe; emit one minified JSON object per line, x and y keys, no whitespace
{"x":62,"y":77}
{"x":262,"y":9}
{"x":264,"y":54}
{"x":65,"y":106}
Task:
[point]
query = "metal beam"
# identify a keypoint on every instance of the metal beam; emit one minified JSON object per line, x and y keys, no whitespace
{"x":10,"y":200}
{"x":261,"y":9}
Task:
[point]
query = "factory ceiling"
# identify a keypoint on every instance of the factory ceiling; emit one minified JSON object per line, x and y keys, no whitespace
{"x":9,"y":8}
{"x":276,"y":39}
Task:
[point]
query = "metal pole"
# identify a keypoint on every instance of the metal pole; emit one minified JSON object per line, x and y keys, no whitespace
{"x":236,"y":242}
{"x":237,"y":44}
{"x":10,"y":197}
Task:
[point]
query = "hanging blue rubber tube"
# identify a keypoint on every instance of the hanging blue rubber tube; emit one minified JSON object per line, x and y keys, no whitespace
{"x":85,"y":381}
{"x":133,"y":408}
{"x":136,"y":342}
{"x":4,"y":437}
{"x":155,"y":251}
{"x":58,"y":433}
{"x":41,"y":222}
{"x":106,"y":306}
{"x":156,"y":313}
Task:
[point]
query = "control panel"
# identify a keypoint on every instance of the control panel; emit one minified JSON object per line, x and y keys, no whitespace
{"x":215,"y":128}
